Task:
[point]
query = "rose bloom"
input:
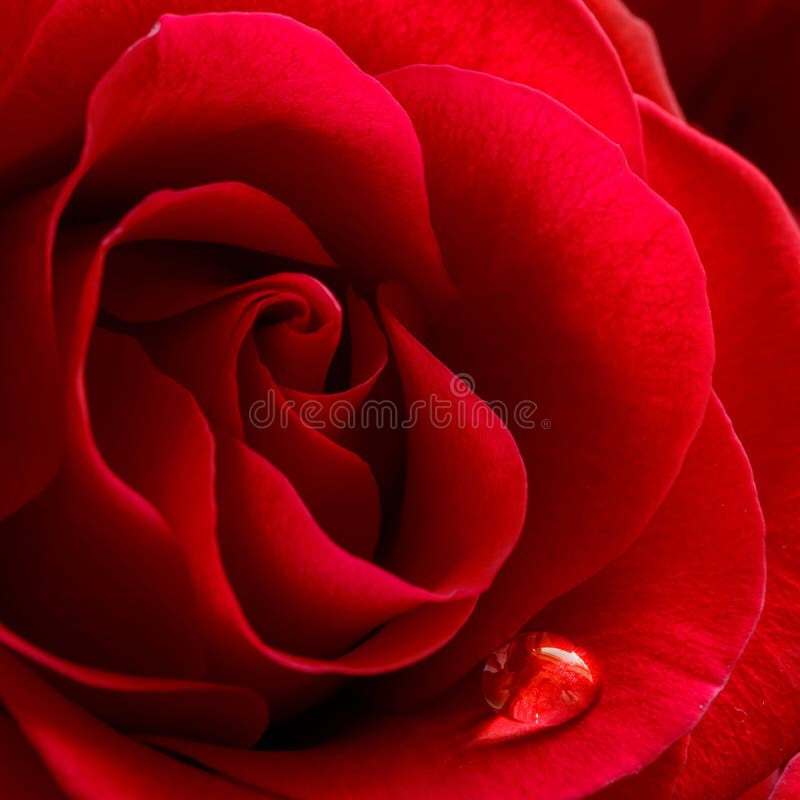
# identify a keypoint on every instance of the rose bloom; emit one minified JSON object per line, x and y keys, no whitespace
{"x":212,"y":204}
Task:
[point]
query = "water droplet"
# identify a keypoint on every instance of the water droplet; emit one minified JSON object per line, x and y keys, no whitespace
{"x":541,"y":679}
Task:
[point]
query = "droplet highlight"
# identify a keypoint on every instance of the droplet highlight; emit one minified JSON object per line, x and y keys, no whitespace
{"x":541,"y":679}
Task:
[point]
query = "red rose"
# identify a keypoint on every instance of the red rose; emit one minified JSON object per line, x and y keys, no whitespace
{"x":233,"y":241}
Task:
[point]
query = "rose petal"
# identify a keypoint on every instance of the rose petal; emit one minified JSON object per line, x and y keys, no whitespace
{"x":666,"y":642}
{"x":336,"y":484}
{"x":209,"y":712}
{"x":306,"y":594}
{"x":105,"y":595}
{"x":465,"y":490}
{"x":763,"y":789}
{"x":580,"y":292}
{"x":88,"y":760}
{"x":751,"y":250}
{"x":18,"y":22}
{"x":227,"y":213}
{"x":263,"y":99}
{"x":30,"y":423}
{"x":788,"y":786}
{"x":636,"y":44}
{"x":159,"y":269}
{"x":340,"y":415}
{"x":147,"y":281}
{"x":550,"y":44}
{"x":147,"y":407}
{"x":212,"y":351}
{"x":275,"y":552}
{"x":655,"y":782}
{"x":296,"y":460}
{"x":22,"y":774}
{"x":120,"y":602}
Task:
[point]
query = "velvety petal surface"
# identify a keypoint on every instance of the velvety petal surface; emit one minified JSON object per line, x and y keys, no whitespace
{"x":179,"y":464}
{"x":18,"y":23}
{"x":465,"y":490}
{"x":788,"y":786}
{"x":70,"y":587}
{"x":590,"y":304}
{"x":139,"y":705}
{"x":30,"y":424}
{"x":263,"y":99}
{"x":212,"y":351}
{"x":89,"y":761}
{"x":763,"y":789}
{"x":666,"y":644}
{"x":750,"y":247}
{"x":550,"y":44}
{"x":22,"y":772}
{"x":638,"y":49}
{"x":226,"y":213}
{"x":655,"y":782}
{"x":580,"y":296}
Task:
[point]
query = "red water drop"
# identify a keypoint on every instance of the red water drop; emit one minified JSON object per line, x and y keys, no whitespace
{"x":541,"y":679}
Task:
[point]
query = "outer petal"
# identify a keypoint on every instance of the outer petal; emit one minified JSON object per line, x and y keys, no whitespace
{"x":763,"y":789}
{"x":751,"y":249}
{"x":654,"y":782}
{"x":31,"y":434}
{"x":263,"y":99}
{"x":550,"y":44}
{"x":661,"y":621}
{"x":788,"y":787}
{"x":579,"y":291}
{"x":638,"y":49}
{"x":70,"y":586}
{"x":22,"y":773}
{"x":89,"y":761}
{"x":134,"y":704}
{"x":18,"y":21}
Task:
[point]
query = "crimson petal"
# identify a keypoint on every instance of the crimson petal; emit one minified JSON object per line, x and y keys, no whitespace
{"x":88,"y":760}
{"x":22,"y":773}
{"x":666,"y":643}
{"x":636,"y":44}
{"x":30,"y":423}
{"x":530,"y":43}
{"x":579,"y":290}
{"x":288,"y":128}
{"x":788,"y":786}
{"x":750,"y":246}
{"x":210,"y":712}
